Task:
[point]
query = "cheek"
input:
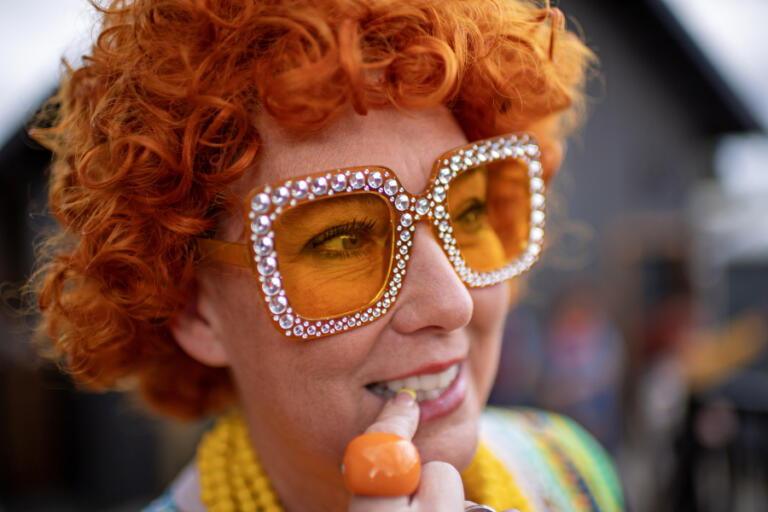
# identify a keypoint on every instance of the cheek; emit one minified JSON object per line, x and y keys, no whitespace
{"x":490,"y":309}
{"x":291,"y":386}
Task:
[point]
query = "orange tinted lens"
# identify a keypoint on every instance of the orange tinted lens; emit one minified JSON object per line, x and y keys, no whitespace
{"x":490,"y":209}
{"x":334,"y":254}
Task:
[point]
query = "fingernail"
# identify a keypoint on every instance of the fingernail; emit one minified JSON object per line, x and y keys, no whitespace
{"x":405,"y":396}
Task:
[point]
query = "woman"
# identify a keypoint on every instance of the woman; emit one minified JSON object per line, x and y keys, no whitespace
{"x":243,"y":187}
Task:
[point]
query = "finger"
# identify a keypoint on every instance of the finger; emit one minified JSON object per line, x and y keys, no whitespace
{"x":440,"y":488}
{"x":399,"y":416}
{"x":370,"y":504}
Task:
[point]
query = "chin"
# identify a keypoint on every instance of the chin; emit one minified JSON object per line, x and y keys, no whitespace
{"x":451,"y":439}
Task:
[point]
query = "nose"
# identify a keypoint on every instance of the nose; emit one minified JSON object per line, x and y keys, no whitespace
{"x":433,"y":296}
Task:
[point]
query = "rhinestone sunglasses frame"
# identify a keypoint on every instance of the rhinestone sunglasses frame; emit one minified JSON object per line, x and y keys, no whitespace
{"x":266,"y":203}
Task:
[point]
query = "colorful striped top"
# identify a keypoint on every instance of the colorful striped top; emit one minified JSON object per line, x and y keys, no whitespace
{"x":534,"y":461}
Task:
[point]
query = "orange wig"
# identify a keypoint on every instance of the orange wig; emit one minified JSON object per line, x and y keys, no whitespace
{"x":158,"y":123}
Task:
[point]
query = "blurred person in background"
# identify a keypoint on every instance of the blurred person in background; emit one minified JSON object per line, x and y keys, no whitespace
{"x":583,"y":364}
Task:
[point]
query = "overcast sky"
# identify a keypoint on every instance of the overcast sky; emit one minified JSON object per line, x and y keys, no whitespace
{"x":734,"y":36}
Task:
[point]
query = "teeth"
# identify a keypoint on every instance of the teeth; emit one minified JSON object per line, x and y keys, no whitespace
{"x":395,"y":385}
{"x":411,"y":382}
{"x":427,"y":386}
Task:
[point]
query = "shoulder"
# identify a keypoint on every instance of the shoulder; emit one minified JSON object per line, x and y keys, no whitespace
{"x":182,"y":495}
{"x":164,"y":503}
{"x":565,"y":459}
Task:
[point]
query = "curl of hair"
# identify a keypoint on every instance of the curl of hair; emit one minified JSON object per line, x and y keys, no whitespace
{"x":159,"y":121}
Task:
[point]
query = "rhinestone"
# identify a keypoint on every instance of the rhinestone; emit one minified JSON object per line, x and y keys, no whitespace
{"x":537,"y":217}
{"x":278,"y":305}
{"x":535,"y":167}
{"x":405,"y":235}
{"x":398,"y":278}
{"x":339,"y":183}
{"x":386,"y":303}
{"x":390,"y":187}
{"x":402,"y":202}
{"x":263,"y":246}
{"x":311,"y":330}
{"x":358,"y":180}
{"x":537,"y":185}
{"x":422,"y":206}
{"x":272,"y":285}
{"x":320,"y":186}
{"x":374,"y":179}
{"x":534,"y":249}
{"x":261,"y":225}
{"x":338,"y":326}
{"x":508,"y":150}
{"x":468,"y":161}
{"x":281,"y":195}
{"x":531,"y":149}
{"x":364,"y":317}
{"x":438,"y":194}
{"x":537,"y":201}
{"x":298,"y":330}
{"x":482,"y":155}
{"x":260,"y":202}
{"x":300,"y":189}
{"x":443,"y":226}
{"x":439,"y":211}
{"x":401,"y":264}
{"x":286,"y":321}
{"x":445,"y":175}
{"x":267,"y":266}
{"x":537,"y":234}
{"x":404,"y":250}
{"x":325,"y":328}
{"x":406,"y":220}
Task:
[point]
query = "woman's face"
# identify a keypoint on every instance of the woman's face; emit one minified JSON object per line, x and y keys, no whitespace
{"x":304,"y":401}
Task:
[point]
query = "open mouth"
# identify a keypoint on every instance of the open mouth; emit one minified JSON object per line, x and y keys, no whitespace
{"x":427,"y":386}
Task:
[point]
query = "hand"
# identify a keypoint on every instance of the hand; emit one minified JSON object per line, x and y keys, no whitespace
{"x":440,"y":487}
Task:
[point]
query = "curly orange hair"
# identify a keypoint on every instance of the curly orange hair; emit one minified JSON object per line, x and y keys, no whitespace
{"x":159,"y":121}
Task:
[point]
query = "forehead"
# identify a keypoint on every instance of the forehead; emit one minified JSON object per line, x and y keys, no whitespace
{"x":408,"y":143}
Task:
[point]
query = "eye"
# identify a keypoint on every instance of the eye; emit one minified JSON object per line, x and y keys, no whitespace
{"x":343,"y":240}
{"x":471,"y":216}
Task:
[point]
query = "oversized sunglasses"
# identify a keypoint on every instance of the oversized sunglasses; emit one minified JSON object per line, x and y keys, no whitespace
{"x":331,"y":249}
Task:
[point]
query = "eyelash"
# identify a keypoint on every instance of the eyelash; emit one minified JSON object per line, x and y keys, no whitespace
{"x":475,"y":205}
{"x":356,"y":227}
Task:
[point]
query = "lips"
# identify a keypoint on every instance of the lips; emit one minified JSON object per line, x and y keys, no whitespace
{"x":427,"y":386}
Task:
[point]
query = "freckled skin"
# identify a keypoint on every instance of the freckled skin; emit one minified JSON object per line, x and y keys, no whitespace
{"x":304,"y":401}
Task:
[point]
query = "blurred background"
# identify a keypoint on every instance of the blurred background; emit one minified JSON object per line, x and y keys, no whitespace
{"x":646,"y":321}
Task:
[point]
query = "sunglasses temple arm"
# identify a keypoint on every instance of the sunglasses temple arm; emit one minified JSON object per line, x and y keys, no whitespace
{"x":224,"y":252}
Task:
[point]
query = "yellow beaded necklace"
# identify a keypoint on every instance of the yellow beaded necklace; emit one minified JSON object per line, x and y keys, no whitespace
{"x":232,"y":480}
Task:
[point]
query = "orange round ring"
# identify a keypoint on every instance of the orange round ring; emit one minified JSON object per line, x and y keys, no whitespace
{"x":381,"y":464}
